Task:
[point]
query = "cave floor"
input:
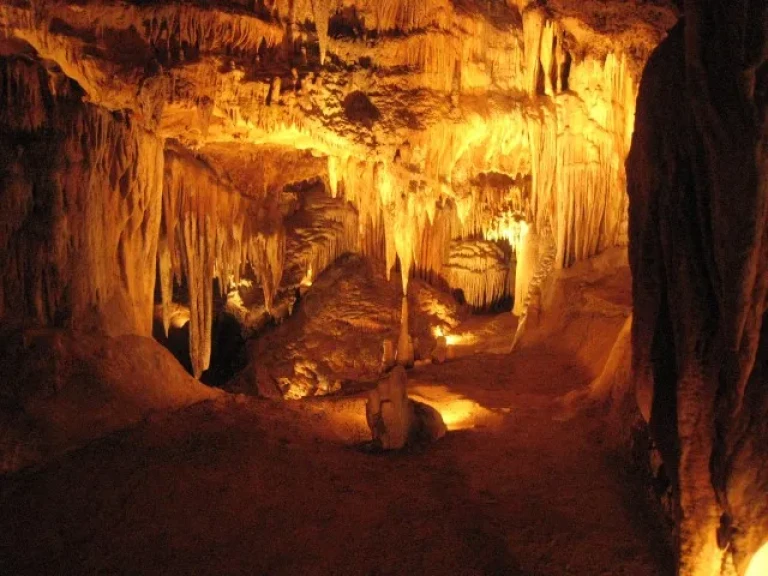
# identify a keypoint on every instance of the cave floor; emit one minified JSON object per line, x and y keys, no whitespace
{"x":246,"y":486}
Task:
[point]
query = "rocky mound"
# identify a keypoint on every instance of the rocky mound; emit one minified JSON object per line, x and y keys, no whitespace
{"x":336,"y":333}
{"x":60,"y":389}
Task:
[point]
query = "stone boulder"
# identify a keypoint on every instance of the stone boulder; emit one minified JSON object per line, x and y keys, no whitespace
{"x":427,"y":425}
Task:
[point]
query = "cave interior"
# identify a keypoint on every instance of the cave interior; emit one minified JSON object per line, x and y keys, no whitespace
{"x":455,"y":287}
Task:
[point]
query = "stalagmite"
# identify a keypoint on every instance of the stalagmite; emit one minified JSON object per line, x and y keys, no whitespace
{"x":395,"y":420}
{"x":388,"y":358}
{"x":525,"y":267}
{"x":404,"y":343}
{"x":389,"y":412}
{"x":439,"y":354}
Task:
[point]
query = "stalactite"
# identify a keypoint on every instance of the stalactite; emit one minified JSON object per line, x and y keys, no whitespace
{"x":185,"y":25}
{"x":547,"y":57}
{"x":533,"y":24}
{"x":333,"y":175}
{"x":164,"y":265}
{"x":321,"y":10}
{"x":211,"y":231}
{"x":572,"y":145}
{"x":267,"y":254}
{"x":481,"y":270}
{"x":323,"y":230}
{"x":433,"y":245}
{"x":590,"y":122}
{"x":590,"y":178}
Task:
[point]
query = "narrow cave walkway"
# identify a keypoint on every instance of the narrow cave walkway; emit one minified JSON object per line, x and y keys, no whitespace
{"x":242,"y":486}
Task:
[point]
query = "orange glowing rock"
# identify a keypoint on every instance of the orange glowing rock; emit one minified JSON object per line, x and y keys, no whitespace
{"x":388,"y":359}
{"x":405,"y":352}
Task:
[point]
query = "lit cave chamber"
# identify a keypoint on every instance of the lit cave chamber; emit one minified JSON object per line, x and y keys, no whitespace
{"x":384,"y":287}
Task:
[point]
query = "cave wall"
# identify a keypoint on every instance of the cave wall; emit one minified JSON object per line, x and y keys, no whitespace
{"x":81,"y":199}
{"x":698,"y":187}
{"x":89,"y":196}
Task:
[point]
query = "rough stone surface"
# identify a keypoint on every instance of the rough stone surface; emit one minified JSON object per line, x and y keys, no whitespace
{"x":698,"y":186}
{"x":388,"y":358}
{"x":428,"y":425}
{"x":60,"y":389}
{"x":337,"y":329}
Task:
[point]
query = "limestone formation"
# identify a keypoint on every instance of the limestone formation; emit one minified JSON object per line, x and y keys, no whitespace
{"x":527,"y":257}
{"x":428,"y":425}
{"x":440,"y":353}
{"x":448,"y":123}
{"x":395,"y":420}
{"x":480,"y":270}
{"x":219,"y":160}
{"x":388,"y":358}
{"x":81,"y":192}
{"x":62,"y":389}
{"x":405,"y":353}
{"x":388,"y":411}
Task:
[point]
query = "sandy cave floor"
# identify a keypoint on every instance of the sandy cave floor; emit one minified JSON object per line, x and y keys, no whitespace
{"x":246,"y":486}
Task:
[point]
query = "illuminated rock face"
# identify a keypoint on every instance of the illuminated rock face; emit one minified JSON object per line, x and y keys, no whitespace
{"x":434,"y":122}
{"x":346,"y":329}
{"x":698,"y":186}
